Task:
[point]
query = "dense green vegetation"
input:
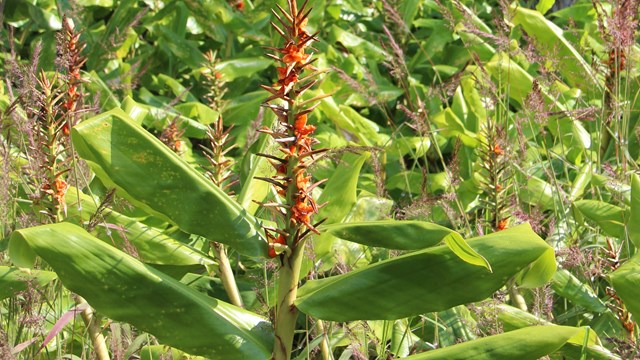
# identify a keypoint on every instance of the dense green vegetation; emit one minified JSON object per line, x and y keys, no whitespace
{"x":394,"y":179}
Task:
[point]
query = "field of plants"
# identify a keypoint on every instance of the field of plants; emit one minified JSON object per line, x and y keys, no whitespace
{"x":348,"y":179}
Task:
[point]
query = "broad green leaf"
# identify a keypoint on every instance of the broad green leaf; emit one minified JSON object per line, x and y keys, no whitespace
{"x":197,"y":110}
{"x":572,"y":289}
{"x":95,"y":85}
{"x":581,"y":181}
{"x":21,"y":254}
{"x":13,"y":280}
{"x":391,"y":234}
{"x":135,"y":111}
{"x":452,"y":126}
{"x":101,"y":3}
{"x":364,"y":127}
{"x":151,"y":244}
{"x":538,"y":192}
{"x":456,"y":243}
{"x":340,"y":191}
{"x":178,"y":90}
{"x":528,"y":343}
{"x":429,"y":280}
{"x":185,"y":50}
{"x":544,"y":5}
{"x":550,"y":41}
{"x":540,"y":271}
{"x":370,"y":208}
{"x":355,"y":44}
{"x":339,"y":115}
{"x":213,"y":287}
{"x":153,"y":177}
{"x":397,"y":332}
{"x":513,"y":318}
{"x":626,"y":281}
{"x":609,"y":217}
{"x":160,"y":352}
{"x":459,"y":323}
{"x":245,"y":67}
{"x":340,"y":194}
{"x":417,"y":146}
{"x":633,"y":226}
{"x":124,"y":289}
{"x":519,"y":82}
{"x":157,"y":117}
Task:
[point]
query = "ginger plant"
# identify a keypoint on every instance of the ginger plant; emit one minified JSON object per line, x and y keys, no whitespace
{"x":293,"y":184}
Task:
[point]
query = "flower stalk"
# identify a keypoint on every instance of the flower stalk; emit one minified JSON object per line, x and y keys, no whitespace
{"x":219,"y":170}
{"x":294,"y":135}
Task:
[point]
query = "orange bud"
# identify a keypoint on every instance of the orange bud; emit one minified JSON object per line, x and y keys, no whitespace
{"x":498,"y":150}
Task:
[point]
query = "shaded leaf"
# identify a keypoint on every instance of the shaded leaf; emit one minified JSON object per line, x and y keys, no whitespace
{"x":609,"y":217}
{"x":626,"y":281}
{"x":13,"y":280}
{"x":124,"y":289}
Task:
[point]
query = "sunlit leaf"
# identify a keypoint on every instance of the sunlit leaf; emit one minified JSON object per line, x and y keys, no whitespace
{"x":124,"y":289}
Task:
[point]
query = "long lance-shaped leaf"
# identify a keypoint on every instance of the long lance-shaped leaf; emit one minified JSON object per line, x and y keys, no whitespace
{"x":151,"y":176}
{"x":609,"y":217}
{"x":633,"y":226}
{"x":152,"y":245}
{"x":424,"y":281}
{"x":524,"y":344}
{"x":571,"y":288}
{"x":550,"y":40}
{"x":626,"y":282}
{"x":13,"y":280}
{"x":391,"y":234}
{"x":124,"y":289}
{"x":513,"y":318}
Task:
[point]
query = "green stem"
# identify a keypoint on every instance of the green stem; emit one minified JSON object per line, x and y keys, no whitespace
{"x":516,"y":299}
{"x":95,"y":332}
{"x":226,"y":275}
{"x":286,"y":311}
{"x":325,"y":349}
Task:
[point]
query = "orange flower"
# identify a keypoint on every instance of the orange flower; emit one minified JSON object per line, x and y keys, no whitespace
{"x":502,"y":224}
{"x":285,"y":79}
{"x":273,"y":240}
{"x":301,"y":128}
{"x":302,"y":181}
{"x":302,"y":212}
{"x":294,"y":54}
{"x":61,"y":187}
{"x":281,"y":168}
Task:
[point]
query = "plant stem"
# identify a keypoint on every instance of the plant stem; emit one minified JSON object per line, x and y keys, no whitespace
{"x":286,"y":311}
{"x":94,"y":330}
{"x":226,"y":274}
{"x":325,"y":349}
{"x":517,"y":299}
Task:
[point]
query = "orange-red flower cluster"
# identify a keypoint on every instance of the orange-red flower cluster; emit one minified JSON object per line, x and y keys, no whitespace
{"x":74,"y":62}
{"x":280,"y":239}
{"x":295,"y":134}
